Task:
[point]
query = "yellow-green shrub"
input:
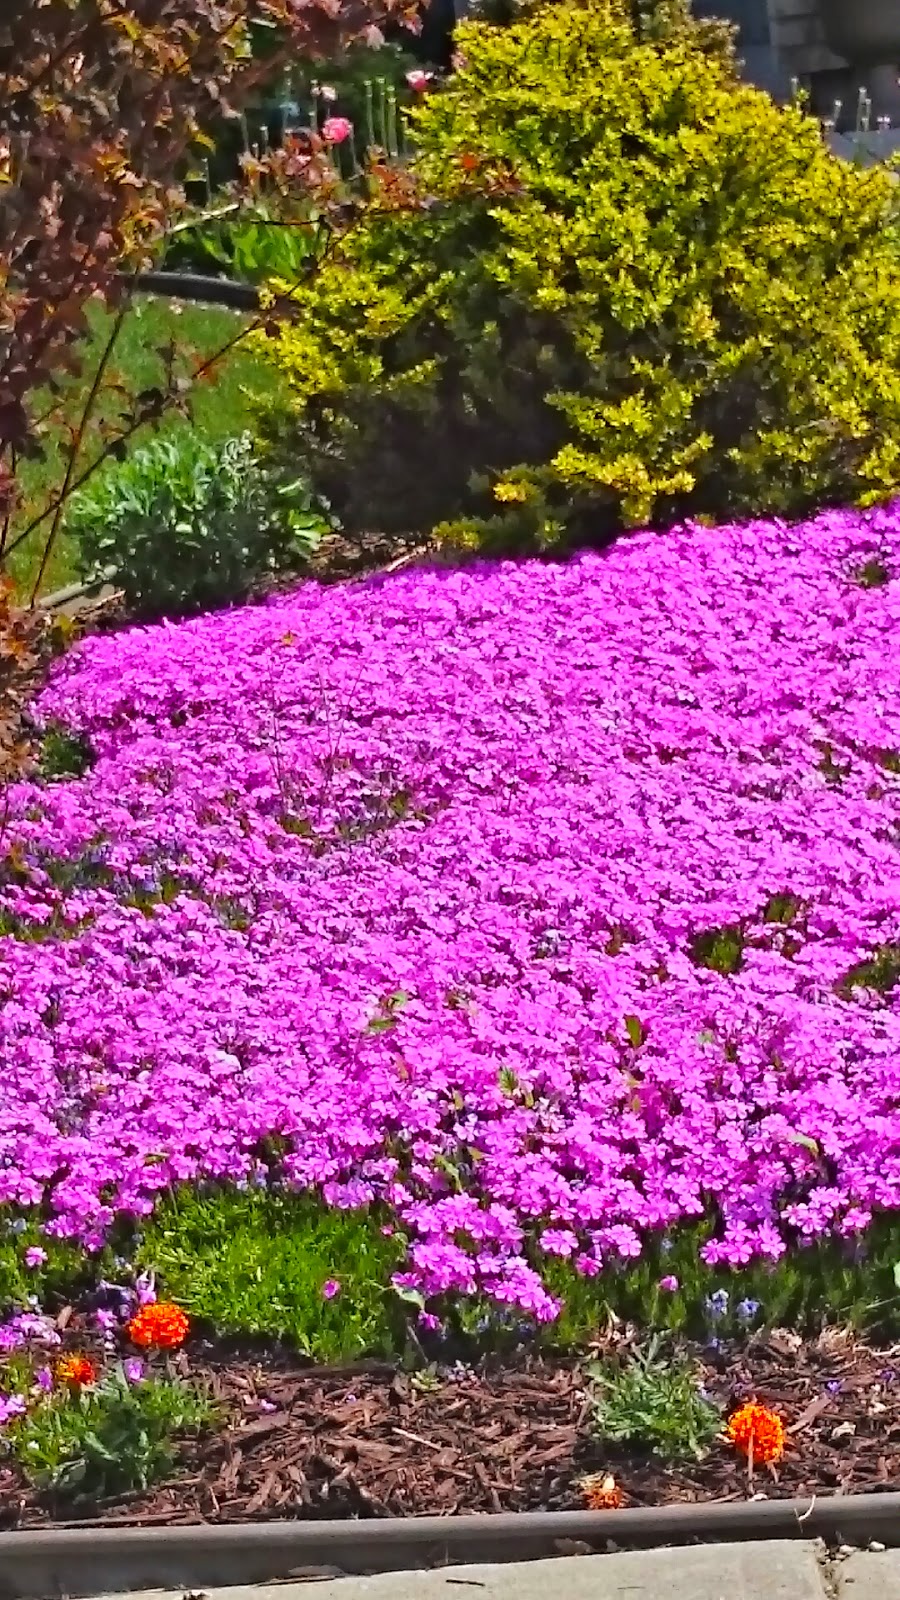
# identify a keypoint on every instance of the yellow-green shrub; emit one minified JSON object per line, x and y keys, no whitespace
{"x":688,"y":306}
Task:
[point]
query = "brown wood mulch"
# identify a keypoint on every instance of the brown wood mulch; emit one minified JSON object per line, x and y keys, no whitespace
{"x":376,"y":1442}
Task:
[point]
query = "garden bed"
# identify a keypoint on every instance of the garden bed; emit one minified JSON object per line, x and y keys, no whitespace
{"x":438,"y":961}
{"x":375,"y":1441}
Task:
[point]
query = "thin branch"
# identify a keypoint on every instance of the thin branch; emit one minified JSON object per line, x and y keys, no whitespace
{"x":86,"y":414}
{"x":10,"y":502}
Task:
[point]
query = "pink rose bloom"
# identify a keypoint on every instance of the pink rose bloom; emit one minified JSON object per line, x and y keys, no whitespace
{"x":419,"y":80}
{"x":330,"y":1289}
{"x":670,"y":1283}
{"x":336,"y":129}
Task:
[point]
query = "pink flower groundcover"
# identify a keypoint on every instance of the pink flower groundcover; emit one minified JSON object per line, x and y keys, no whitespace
{"x":413,"y":881}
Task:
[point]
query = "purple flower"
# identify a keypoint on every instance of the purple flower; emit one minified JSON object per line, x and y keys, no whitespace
{"x":680,"y":756}
{"x":43,"y":1377}
{"x":34,"y":1256}
{"x":145,"y":1289}
{"x":428,"y":1321}
{"x":669,"y":1283}
{"x":133,"y":1369}
{"x":12,"y":1405}
{"x":330,"y":1289}
{"x":559,"y":1241}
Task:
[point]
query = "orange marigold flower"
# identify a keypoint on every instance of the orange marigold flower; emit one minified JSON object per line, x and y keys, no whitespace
{"x":161,"y":1324}
{"x":77,"y":1371}
{"x":756,"y":1430}
{"x":600,"y":1492}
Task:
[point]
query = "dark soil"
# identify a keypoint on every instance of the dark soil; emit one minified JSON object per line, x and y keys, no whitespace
{"x":373,"y":1442}
{"x":338,"y":559}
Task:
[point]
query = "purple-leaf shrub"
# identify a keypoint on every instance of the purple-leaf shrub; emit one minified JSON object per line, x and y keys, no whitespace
{"x":395,"y":891}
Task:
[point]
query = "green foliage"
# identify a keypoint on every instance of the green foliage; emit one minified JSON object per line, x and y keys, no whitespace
{"x":845,"y":1282}
{"x":218,"y":410}
{"x":873,"y":574}
{"x":256,"y":1263}
{"x":252,"y":249}
{"x":62,"y":1274}
{"x":118,"y":1436}
{"x":880,"y":971}
{"x":652,"y":1402}
{"x":658,"y":20}
{"x":719,"y":949}
{"x":638,"y":290}
{"x":187,"y":525}
{"x":63,"y":754}
{"x":783,"y":908}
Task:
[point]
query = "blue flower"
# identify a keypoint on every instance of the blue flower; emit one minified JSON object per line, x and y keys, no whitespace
{"x":746,"y":1310}
{"x":717,"y":1304}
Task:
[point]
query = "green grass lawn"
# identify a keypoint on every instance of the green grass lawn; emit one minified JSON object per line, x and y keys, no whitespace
{"x":220,"y":409}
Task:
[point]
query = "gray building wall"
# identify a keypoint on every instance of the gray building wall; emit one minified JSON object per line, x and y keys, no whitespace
{"x":756,"y":46}
{"x":781,"y":40}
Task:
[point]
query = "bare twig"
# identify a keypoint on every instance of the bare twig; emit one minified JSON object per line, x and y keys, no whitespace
{"x":75,"y":448}
{"x":805,"y":1516}
{"x":416,"y":1438}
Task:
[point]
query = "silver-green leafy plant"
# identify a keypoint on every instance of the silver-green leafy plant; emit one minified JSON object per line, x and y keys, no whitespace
{"x":654,"y":1402}
{"x":185,"y":524}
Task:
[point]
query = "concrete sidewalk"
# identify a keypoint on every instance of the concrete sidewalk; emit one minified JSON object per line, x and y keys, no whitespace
{"x":768,"y":1570}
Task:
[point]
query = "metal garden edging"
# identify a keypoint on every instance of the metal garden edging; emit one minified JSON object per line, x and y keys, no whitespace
{"x":97,"y":1560}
